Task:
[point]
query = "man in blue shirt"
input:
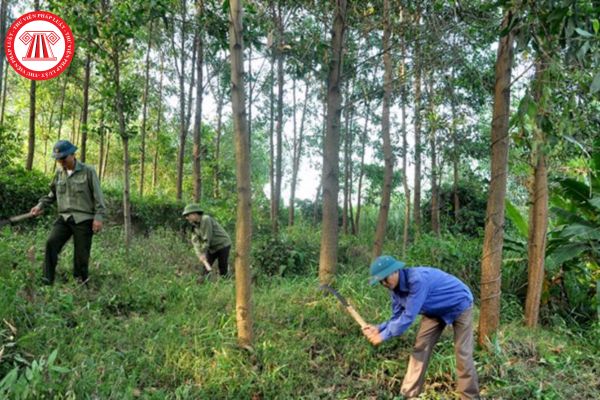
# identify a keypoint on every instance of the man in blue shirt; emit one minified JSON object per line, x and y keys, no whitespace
{"x":442,"y":299}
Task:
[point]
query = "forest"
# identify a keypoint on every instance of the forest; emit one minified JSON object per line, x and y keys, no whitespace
{"x":458,"y":134}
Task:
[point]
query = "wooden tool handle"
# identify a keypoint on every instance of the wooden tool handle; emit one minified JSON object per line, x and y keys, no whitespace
{"x":207,"y":265}
{"x":22,"y":217}
{"x":356,"y":316}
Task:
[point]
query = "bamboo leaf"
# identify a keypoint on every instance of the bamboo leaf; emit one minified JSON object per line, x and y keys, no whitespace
{"x":583,"y":33}
{"x":595,"y":84}
{"x":517,"y":219}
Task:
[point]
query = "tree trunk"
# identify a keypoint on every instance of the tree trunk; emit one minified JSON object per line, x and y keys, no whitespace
{"x":349,"y":116}
{"x":435,"y":208}
{"x":125,"y":141}
{"x":388,"y":172}
{"x":362,"y":170}
{"x":102,"y":134}
{"x":85,"y":107}
{"x":297,"y":157}
{"x":455,"y":152}
{"x":106,"y":154}
{"x":145,"y":112}
{"x":31,"y":137}
{"x":330,"y":177}
{"x":538,"y":211}
{"x":417,"y":183}
{"x":158,"y":122}
{"x":279,"y":125}
{"x":3,"y":13}
{"x":494,"y":222}
{"x":218,"y":144}
{"x":404,"y":148}
{"x":5,"y":80}
{"x":243,"y":234}
{"x":272,"y":182}
{"x":182,"y":114}
{"x":198,"y":113}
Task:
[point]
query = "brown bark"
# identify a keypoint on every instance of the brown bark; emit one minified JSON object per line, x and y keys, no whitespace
{"x":3,"y":13}
{"x":276,"y":200}
{"x":85,"y":107}
{"x":417,"y":83}
{"x":404,"y":149}
{"x":435,"y":209}
{"x":158,"y":123}
{"x":538,"y":211}
{"x":347,"y":158}
{"x":385,"y":132}
{"x":298,"y":142}
{"x":362,"y":169}
{"x":145,"y":112}
{"x":125,"y":141}
{"x":198,"y":113}
{"x":182,"y":114}
{"x":330,"y":177}
{"x":494,"y":222}
{"x":243,"y":232}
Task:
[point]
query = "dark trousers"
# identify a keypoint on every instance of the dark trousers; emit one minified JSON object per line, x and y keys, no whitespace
{"x":82,"y":242}
{"x":223,"y":257}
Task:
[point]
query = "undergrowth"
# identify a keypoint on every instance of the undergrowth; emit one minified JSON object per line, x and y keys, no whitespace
{"x":145,"y":327}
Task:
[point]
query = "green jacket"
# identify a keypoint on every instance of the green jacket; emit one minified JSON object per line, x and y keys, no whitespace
{"x":208,"y":236}
{"x":78,"y":195}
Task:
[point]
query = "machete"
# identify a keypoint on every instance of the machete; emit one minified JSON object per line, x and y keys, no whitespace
{"x":353,"y":313}
{"x":15,"y":219}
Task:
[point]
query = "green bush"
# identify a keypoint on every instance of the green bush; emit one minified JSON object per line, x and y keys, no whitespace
{"x":294,"y":252}
{"x":20,"y":190}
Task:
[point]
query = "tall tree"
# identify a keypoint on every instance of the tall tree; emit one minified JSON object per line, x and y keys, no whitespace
{"x":417,"y":83}
{"x":493,"y":241}
{"x":297,"y":155}
{"x":182,"y":114}
{"x":32,"y":99}
{"x":3,"y":16}
{"x":198,"y":112}
{"x":145,"y":109}
{"x":385,"y":133}
{"x":330,"y":177}
{"x":243,"y":232}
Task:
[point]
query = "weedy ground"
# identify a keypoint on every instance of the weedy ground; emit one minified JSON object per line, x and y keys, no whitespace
{"x":146,"y":327}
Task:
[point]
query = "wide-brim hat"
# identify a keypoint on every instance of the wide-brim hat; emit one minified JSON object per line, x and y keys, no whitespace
{"x":383,"y":267}
{"x":192,"y":208}
{"x":63,"y":148}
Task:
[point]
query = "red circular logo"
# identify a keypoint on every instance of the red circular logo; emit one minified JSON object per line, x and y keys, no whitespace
{"x":39,"y":45}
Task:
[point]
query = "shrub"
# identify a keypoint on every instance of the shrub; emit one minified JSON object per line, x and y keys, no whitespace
{"x":20,"y":189}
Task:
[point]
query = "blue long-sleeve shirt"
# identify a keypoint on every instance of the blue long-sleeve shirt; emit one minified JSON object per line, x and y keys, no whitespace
{"x":428,"y":291}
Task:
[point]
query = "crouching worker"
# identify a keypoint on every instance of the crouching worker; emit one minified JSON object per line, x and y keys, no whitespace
{"x":76,"y":190}
{"x":210,"y":240}
{"x":442,"y":299}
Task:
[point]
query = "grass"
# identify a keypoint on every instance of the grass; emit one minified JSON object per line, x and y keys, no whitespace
{"x":145,"y":328}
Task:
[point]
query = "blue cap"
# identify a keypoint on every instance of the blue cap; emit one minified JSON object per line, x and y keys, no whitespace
{"x":63,"y":148}
{"x":383,"y":267}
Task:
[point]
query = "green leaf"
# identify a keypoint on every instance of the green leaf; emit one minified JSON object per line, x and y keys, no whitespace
{"x":595,"y":202}
{"x":595,"y":84}
{"x":581,"y":231}
{"x":516,"y":218}
{"x":583,"y":33}
{"x":60,"y":370}
{"x":596,"y":25}
{"x":52,"y":357}
{"x":565,"y":253}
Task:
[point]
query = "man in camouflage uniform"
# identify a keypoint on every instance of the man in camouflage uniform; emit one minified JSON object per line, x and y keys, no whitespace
{"x":76,"y":190}
{"x":210,"y":240}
